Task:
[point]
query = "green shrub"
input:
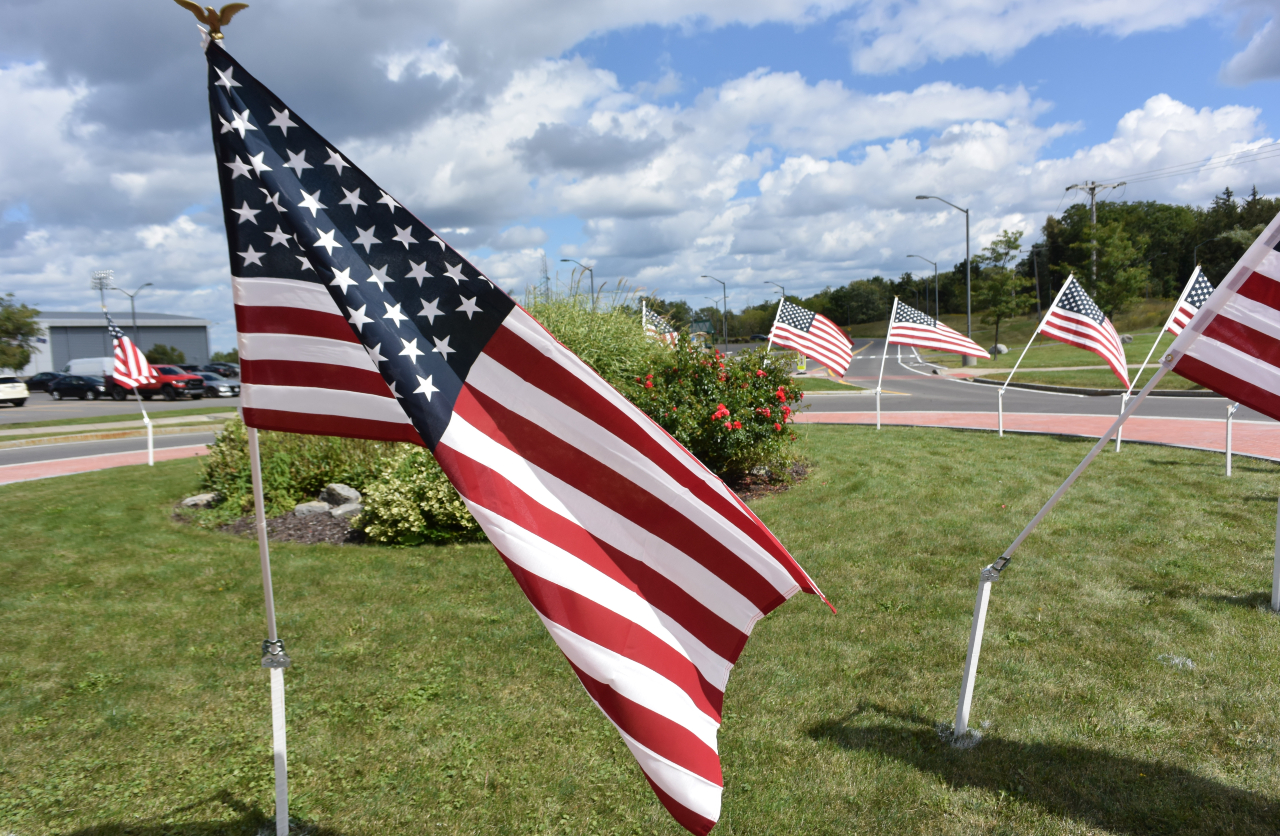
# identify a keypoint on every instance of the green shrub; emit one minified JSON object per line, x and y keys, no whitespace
{"x":729,"y":411}
{"x":412,"y":502}
{"x":609,"y":339}
{"x":294,"y":467}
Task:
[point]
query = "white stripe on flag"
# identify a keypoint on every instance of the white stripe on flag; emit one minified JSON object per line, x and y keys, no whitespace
{"x":317,"y":401}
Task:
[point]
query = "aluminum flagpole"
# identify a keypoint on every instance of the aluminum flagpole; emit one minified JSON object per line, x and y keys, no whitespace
{"x":1275,"y":567}
{"x":151,"y":447}
{"x":1124,"y":399}
{"x":991,"y":574}
{"x":769,"y":344}
{"x":273,"y":656}
{"x":1160,"y":334}
{"x":1000,"y":396}
{"x":1231,"y":411}
{"x":892,"y":313}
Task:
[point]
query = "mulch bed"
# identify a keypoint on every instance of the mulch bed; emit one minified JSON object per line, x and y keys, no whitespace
{"x":317,"y":528}
{"x":753,"y":487}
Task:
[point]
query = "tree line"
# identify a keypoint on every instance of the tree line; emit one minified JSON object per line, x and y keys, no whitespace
{"x":1136,"y":250}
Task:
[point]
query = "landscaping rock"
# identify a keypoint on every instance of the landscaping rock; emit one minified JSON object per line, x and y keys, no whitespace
{"x":347,"y":511}
{"x":200,"y":500}
{"x":999,"y":348}
{"x":308,"y":509}
{"x":339,"y":494}
{"x":1126,"y":338}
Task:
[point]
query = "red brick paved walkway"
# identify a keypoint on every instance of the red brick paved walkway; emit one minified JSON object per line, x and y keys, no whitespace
{"x":86,"y":464}
{"x":1248,"y":438}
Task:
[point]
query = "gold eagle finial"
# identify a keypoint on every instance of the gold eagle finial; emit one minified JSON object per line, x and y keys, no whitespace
{"x":212,"y":18}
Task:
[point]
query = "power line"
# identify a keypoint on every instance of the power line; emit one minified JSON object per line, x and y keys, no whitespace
{"x":1210,"y":163}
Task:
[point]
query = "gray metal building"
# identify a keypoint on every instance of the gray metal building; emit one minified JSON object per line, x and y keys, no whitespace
{"x":70,"y":335}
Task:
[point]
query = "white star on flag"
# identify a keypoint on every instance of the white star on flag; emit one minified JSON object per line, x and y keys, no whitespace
{"x":279,"y":236}
{"x":424,"y":386}
{"x":405,"y":236}
{"x":225,"y":79}
{"x":469,"y":307}
{"x":393,"y":313}
{"x":241,"y":122}
{"x":435,"y":239}
{"x":411,"y":349}
{"x":390,"y":202}
{"x":430,"y":311}
{"x":454,"y":271}
{"x":305,"y":262}
{"x":374,"y":354}
{"x":246,"y":214}
{"x":282,"y":121}
{"x":252,"y":256}
{"x":358,"y":319}
{"x":419,"y":272}
{"x":238,"y":167}
{"x":442,"y":346}
{"x":366,"y":239}
{"x":379,"y":276}
{"x":326,"y":241}
{"x":352,"y":199}
{"x":312,"y":202}
{"x":342,"y":279}
{"x":273,"y":200}
{"x":257,"y":162}
{"x":298,"y":162}
{"x":335,"y":160}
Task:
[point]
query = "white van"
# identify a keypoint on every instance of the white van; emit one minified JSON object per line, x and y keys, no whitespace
{"x":98,"y":366}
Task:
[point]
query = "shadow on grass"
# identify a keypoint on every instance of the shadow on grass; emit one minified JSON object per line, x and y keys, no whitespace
{"x":1251,"y":601}
{"x":251,"y":821}
{"x":1092,"y":786}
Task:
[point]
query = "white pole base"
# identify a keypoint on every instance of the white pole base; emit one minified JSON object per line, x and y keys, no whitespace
{"x":961,"y":733}
{"x":877,"y":408}
{"x":1275,"y":571}
{"x":1124,"y":401}
{"x":1231,"y":411}
{"x":280,"y":750}
{"x":1000,"y":412}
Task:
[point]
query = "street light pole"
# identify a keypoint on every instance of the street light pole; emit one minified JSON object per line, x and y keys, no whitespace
{"x":937,"y":309}
{"x":968,"y":283}
{"x":724,"y":290}
{"x":133,"y":311}
{"x":100,"y":280}
{"x":593,"y":278}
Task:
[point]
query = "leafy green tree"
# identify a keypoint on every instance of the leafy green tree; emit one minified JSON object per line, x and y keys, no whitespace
{"x":18,"y":332}
{"x":161,"y":353}
{"x":232,"y":356}
{"x":1122,"y":271}
{"x":999,"y":294}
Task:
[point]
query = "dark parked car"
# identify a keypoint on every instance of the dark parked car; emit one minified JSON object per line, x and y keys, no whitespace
{"x":78,"y":386}
{"x":217,"y":386}
{"x":40,"y":382}
{"x":190,"y":368}
{"x":224,"y":369}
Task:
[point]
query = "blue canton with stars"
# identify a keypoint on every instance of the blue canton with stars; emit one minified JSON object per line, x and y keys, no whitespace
{"x":1199,"y":292}
{"x":1075,"y":300}
{"x":906,"y":313}
{"x":295,"y":208}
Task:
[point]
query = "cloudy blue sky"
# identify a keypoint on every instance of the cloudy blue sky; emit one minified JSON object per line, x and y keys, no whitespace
{"x":754,"y":140}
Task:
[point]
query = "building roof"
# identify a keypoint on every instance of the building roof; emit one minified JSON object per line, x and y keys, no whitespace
{"x":93,"y":319}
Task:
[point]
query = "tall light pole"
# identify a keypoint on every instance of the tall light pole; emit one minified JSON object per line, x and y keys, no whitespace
{"x":968,"y":283}
{"x":133,"y":312}
{"x":779,"y":287}
{"x":100,"y":280}
{"x":593,"y":278}
{"x":937,"y":311}
{"x":724,"y":289}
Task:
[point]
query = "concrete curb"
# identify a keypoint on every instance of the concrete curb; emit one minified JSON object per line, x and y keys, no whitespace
{"x":1075,"y":390}
{"x":65,"y":439}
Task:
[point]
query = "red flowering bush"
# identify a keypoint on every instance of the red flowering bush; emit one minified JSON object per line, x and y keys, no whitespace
{"x":730,"y":411}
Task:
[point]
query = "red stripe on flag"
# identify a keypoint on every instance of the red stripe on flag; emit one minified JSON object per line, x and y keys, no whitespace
{"x":490,"y":489}
{"x":1244,"y":339}
{"x":623,"y":636}
{"x":686,"y":818}
{"x":254,"y":319}
{"x":1261,"y":289}
{"x":313,"y":375}
{"x":515,"y":354}
{"x":312,"y":424}
{"x":559,"y":458}
{"x":1229,"y":386}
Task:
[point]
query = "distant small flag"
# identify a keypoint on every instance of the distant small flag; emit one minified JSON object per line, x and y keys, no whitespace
{"x":1194,"y":295}
{"x":1076,"y":320}
{"x":132,"y":369}
{"x":656,"y":326}
{"x":813,"y":335}
{"x":911,"y":327}
{"x":1232,"y":344}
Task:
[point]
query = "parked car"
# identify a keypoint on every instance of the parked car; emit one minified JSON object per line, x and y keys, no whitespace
{"x":217,"y":386}
{"x":172,"y":382}
{"x":230,"y":370}
{"x":78,"y":386}
{"x":40,"y":382}
{"x":13,"y":390}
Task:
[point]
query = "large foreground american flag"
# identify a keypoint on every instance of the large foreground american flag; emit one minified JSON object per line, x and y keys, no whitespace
{"x":908,"y":326}
{"x":1074,"y":319}
{"x":355,"y":319}
{"x":1232,"y":345}
{"x":1192,"y":299}
{"x":813,"y":335}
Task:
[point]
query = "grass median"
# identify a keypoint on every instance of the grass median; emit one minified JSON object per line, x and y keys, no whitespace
{"x":1091,"y":378}
{"x":1127,"y":683}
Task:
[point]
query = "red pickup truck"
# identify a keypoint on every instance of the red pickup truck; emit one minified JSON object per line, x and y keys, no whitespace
{"x":172,"y":383}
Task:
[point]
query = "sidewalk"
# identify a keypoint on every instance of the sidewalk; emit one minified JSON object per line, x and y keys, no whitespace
{"x":1248,"y":438}
{"x":85,"y":464}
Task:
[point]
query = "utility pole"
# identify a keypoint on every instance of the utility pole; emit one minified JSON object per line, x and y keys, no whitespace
{"x":724,"y":290}
{"x":1036,"y":266}
{"x":1093,"y":187}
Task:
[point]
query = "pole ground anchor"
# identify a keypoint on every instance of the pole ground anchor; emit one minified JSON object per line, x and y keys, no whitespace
{"x":273,"y":655}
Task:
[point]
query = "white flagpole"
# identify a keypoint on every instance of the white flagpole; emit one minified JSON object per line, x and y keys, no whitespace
{"x":769,"y":344}
{"x":1231,"y":411}
{"x":1124,"y":399}
{"x":1000,"y":397}
{"x":273,"y":656}
{"x":892,"y":313}
{"x":991,"y":574}
{"x":1159,"y":336}
{"x":151,"y":449}
{"x":1275,"y":571}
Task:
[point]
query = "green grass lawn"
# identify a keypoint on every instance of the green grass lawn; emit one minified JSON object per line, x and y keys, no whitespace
{"x":822,"y":384}
{"x":1092,"y":378}
{"x":427,"y":698}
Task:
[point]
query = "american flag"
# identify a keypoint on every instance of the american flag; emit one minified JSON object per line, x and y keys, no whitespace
{"x":131,"y":369}
{"x":908,"y":326}
{"x":1232,"y":345}
{"x":656,"y":326}
{"x":356,"y":319}
{"x":1194,"y":294}
{"x":813,"y":335}
{"x":1075,"y":320}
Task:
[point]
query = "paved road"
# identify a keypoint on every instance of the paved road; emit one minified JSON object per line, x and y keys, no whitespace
{"x":917,"y":389}
{"x":41,"y":407}
{"x":80,"y":449}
